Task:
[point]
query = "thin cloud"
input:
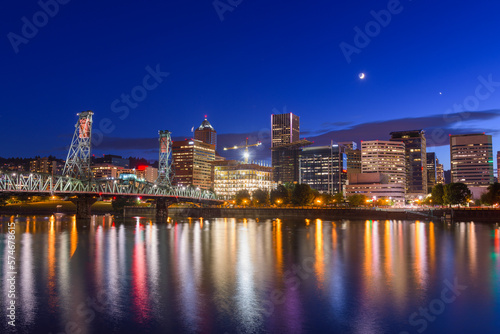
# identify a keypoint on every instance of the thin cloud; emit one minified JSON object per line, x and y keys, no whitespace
{"x":437,"y":128}
{"x":335,"y":124}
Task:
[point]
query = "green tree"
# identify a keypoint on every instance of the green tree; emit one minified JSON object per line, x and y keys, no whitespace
{"x":242,"y":197}
{"x":427,"y":200}
{"x":456,"y":193}
{"x":357,"y":200}
{"x":260,"y":197}
{"x":338,"y":198}
{"x":324,"y":199}
{"x":302,"y":194}
{"x":492,"y":196}
{"x":280,"y":195}
{"x":383,"y":201}
{"x":438,"y":194}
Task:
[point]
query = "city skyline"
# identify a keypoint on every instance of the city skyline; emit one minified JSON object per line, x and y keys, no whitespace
{"x":188,"y":63}
{"x":262,"y":153}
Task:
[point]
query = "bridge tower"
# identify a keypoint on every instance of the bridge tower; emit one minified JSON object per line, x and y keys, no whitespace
{"x":78,"y":160}
{"x":165,"y":160}
{"x":164,"y":173}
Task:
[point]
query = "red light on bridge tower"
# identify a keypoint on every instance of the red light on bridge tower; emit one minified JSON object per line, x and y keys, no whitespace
{"x":78,"y":160}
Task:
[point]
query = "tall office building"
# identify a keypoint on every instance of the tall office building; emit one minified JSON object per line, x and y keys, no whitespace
{"x":285,"y":129}
{"x":439,"y":172}
{"x":206,"y":133}
{"x":387,"y":157}
{"x":324,"y":168}
{"x":353,"y":154}
{"x":471,"y":159}
{"x":498,"y":166}
{"x":416,"y":161}
{"x":431,"y":171}
{"x":286,"y":147}
{"x":192,"y":163}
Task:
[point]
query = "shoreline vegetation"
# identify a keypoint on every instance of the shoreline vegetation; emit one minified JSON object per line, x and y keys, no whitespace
{"x":478,"y":214}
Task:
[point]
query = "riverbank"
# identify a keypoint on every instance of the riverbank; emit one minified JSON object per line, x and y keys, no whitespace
{"x":51,"y":207}
{"x":462,"y":214}
{"x":100,"y":208}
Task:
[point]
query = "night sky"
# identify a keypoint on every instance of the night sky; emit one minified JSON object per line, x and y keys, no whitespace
{"x":262,"y":57}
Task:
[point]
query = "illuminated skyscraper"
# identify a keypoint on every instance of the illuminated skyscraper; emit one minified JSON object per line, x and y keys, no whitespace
{"x":324,"y":168}
{"x":192,"y":163}
{"x":439,"y":172}
{"x":286,"y":147}
{"x":416,"y":161}
{"x":471,"y":159}
{"x":206,"y":133}
{"x":387,"y":157}
{"x":431,"y":171}
{"x":285,"y":129}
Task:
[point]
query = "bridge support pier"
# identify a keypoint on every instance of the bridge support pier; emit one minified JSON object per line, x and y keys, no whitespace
{"x":162,"y":205}
{"x":83,"y":204}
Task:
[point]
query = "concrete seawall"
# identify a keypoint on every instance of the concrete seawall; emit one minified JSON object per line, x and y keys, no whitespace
{"x":462,"y":214}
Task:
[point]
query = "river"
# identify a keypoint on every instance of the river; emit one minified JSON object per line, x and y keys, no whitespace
{"x":229,"y":275}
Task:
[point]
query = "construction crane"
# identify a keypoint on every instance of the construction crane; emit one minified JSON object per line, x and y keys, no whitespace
{"x":246,"y":155}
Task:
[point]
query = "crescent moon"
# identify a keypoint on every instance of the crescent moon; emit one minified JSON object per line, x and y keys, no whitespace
{"x":361,"y":75}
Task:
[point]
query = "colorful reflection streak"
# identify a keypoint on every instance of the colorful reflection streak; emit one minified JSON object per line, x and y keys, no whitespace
{"x":243,"y":275}
{"x":140,"y":290}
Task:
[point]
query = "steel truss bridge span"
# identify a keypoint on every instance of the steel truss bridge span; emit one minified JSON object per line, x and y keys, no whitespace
{"x":39,"y":183}
{"x":84,"y":193}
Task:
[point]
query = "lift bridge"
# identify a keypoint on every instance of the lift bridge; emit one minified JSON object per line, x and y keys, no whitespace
{"x":79,"y":186}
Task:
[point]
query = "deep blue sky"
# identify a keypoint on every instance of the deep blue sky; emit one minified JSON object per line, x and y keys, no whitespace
{"x":264,"y":55}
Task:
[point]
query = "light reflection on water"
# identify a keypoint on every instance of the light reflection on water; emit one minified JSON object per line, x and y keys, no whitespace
{"x":239,"y":275}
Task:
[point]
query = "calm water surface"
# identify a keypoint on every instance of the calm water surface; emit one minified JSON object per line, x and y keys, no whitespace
{"x":247,"y":276}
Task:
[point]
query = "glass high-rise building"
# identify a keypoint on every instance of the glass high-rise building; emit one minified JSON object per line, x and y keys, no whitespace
{"x":439,"y":172}
{"x":285,"y":129}
{"x":286,"y":147}
{"x":431,"y":171}
{"x":416,"y":161}
{"x":324,"y":168}
{"x":471,"y":159}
